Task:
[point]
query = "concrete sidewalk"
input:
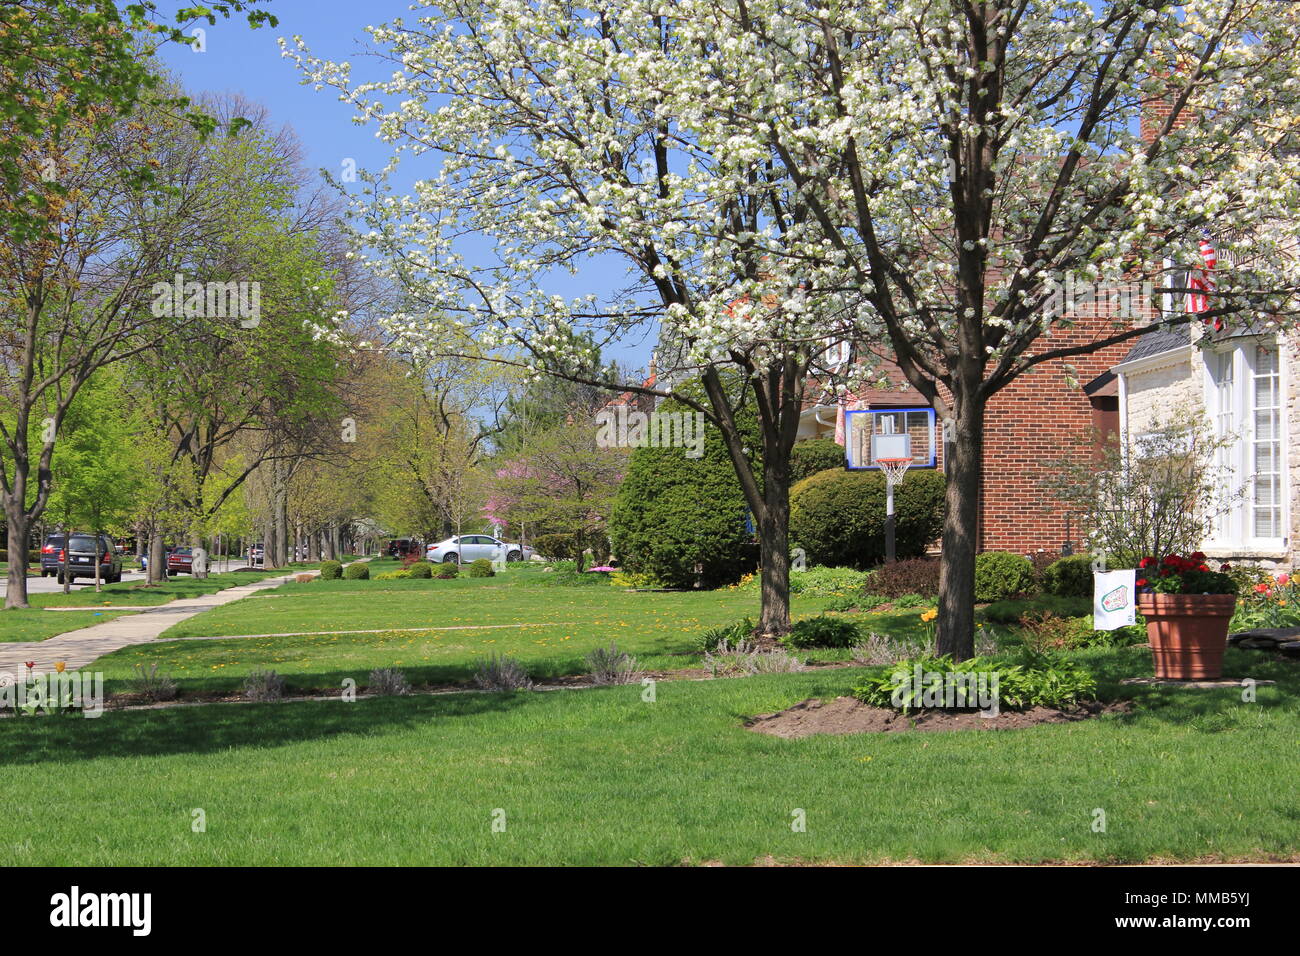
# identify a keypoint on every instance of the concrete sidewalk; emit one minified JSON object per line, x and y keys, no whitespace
{"x":79,"y":648}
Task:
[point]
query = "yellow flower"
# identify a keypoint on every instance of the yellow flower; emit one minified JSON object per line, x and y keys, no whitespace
{"x":59,"y":665}
{"x":929,"y":615}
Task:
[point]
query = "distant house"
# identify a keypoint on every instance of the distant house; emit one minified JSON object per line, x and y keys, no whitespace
{"x":1247,"y":384}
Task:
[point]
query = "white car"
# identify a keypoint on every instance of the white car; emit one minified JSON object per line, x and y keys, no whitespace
{"x":470,"y":547}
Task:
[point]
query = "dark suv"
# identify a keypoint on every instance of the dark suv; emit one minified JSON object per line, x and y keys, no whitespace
{"x":81,"y":557}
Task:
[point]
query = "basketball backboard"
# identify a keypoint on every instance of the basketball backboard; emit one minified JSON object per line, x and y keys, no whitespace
{"x":876,"y":433}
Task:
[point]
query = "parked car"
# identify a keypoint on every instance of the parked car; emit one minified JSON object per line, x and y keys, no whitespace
{"x":80,"y":558}
{"x":401,"y":547}
{"x":50,"y":558}
{"x":180,"y":561}
{"x":144,"y":560}
{"x":470,"y":547}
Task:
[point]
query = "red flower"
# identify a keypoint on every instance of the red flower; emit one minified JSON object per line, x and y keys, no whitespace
{"x":1140,"y":582}
{"x":1198,"y":556}
{"x":1261,"y":588}
{"x":1202,"y":567}
{"x":1146,"y":562}
{"x":1283,"y":579}
{"x":1225,"y":568}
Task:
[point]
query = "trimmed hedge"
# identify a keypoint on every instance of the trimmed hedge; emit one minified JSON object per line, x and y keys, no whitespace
{"x":807,"y":458}
{"x":838,"y":516}
{"x":356,"y":571}
{"x":446,"y":570}
{"x":420,"y":569}
{"x":481,"y":568}
{"x":1002,"y":574}
{"x":1069,"y":577}
{"x":331,"y":570}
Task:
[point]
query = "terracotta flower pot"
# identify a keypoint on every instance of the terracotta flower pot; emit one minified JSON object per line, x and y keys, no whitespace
{"x":1188,"y":633}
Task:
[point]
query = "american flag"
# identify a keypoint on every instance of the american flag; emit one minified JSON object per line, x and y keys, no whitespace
{"x":1200,"y":282}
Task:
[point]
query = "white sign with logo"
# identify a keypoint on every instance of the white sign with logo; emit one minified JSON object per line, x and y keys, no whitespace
{"x":1114,"y":599}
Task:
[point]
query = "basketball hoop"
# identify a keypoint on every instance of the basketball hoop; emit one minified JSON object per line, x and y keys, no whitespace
{"x":894,"y":468}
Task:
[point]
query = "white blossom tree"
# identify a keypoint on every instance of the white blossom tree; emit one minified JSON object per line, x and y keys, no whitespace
{"x":915,"y":176}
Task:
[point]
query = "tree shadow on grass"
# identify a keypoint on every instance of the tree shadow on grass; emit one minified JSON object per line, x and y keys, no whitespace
{"x":1174,"y":704}
{"x":224,"y":727}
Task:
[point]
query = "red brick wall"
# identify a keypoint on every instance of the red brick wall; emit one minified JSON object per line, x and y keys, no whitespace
{"x":1035,"y":420}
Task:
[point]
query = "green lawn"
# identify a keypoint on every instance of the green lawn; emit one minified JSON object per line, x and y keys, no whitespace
{"x":35,"y":625}
{"x":587,"y":777}
{"x":139,"y":593}
{"x":601,"y":776}
{"x":562,"y":625}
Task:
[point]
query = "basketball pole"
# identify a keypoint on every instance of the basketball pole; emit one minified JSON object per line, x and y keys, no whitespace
{"x":890,"y":553}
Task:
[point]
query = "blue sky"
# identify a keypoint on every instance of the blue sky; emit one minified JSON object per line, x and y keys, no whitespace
{"x":241,"y":60}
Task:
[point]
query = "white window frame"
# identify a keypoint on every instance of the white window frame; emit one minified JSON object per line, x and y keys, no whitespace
{"x":1234,"y":530}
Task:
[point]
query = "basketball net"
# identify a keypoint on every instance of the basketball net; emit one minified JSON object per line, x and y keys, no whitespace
{"x":894,"y":468}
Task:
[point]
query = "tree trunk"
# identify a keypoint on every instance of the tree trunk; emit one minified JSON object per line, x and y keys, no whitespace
{"x":157,"y":562}
{"x":280,"y":515}
{"x":965,"y":466}
{"x":16,"y":517}
{"x":774,"y":548}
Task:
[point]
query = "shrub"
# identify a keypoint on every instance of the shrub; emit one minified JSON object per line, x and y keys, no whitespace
{"x":822,"y":631}
{"x":151,"y":685}
{"x":263,"y":686}
{"x":502,"y":674}
{"x":1069,"y":577}
{"x":1032,"y":679}
{"x":912,"y":576}
{"x":673,"y":513}
{"x":420,"y":569}
{"x":388,"y":682}
{"x":331,"y":570}
{"x":357,"y":571}
{"x":609,"y":665}
{"x":734,"y":634}
{"x":877,"y":649}
{"x":1002,"y":574}
{"x":446,"y":570}
{"x":400,"y":574}
{"x":557,"y":547}
{"x":807,"y":458}
{"x":838,"y":517}
{"x":820,"y":580}
{"x":481,"y":568}
{"x":1043,"y":631}
{"x":743,"y":660}
{"x":1013,"y":610}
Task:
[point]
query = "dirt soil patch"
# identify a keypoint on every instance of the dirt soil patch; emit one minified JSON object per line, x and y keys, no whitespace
{"x":845,"y":715}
